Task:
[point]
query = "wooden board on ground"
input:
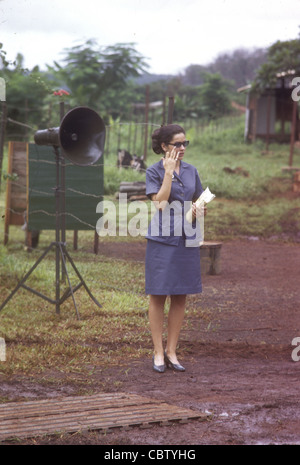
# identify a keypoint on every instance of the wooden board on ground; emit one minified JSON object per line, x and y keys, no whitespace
{"x":97,"y":412}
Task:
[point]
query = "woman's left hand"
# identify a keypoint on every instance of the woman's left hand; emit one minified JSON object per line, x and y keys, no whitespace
{"x":198,"y":211}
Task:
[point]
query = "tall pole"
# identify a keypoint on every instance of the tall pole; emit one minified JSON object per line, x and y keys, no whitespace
{"x":62,"y":194}
{"x":293,"y":132}
{"x":146,"y":122}
{"x":2,"y":135}
{"x":268,"y":122}
{"x":170,"y":109}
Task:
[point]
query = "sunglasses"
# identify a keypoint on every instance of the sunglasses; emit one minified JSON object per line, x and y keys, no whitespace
{"x":179,"y":144}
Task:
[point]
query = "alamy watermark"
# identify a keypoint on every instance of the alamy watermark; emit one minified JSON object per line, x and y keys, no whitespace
{"x":296,"y":91}
{"x":2,"y":350}
{"x":296,"y":351}
{"x":2,"y":90}
{"x":167,"y":219}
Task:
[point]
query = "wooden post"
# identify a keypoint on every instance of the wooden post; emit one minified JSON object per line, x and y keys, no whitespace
{"x":293,"y":132}
{"x":119,"y":137}
{"x":170,"y":110}
{"x":2,"y":135}
{"x":96,"y":243}
{"x":135,"y":120}
{"x":8,"y":195}
{"x":164,"y":112}
{"x":268,"y":122}
{"x":107,"y":140}
{"x":146,"y":123}
{"x":16,"y":193}
{"x":254,"y":123}
{"x":129,"y":131}
{"x":26,"y":119}
{"x":75,"y":239}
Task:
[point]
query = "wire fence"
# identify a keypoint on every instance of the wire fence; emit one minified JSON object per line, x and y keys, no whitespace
{"x":133,"y":136}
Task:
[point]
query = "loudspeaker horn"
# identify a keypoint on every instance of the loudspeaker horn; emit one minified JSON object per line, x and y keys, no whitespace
{"x":81,"y":136}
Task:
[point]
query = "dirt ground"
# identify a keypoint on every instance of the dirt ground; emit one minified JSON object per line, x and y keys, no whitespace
{"x":239,"y":364}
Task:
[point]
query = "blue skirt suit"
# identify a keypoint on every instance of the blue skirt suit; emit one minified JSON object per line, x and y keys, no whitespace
{"x":173,"y":251}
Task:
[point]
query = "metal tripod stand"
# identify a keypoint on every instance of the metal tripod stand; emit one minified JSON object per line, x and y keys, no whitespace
{"x":61,"y":252}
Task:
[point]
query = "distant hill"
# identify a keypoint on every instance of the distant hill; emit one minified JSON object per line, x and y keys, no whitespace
{"x":149,"y":78}
{"x":239,"y":66}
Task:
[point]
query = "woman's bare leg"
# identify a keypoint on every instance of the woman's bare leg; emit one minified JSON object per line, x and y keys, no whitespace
{"x":175,"y":319}
{"x":156,"y":320}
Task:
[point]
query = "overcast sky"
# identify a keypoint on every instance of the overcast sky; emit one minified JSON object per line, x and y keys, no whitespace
{"x":170,"y":34}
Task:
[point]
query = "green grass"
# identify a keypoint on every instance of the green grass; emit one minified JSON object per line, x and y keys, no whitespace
{"x":255,"y":201}
{"x":40,"y":341}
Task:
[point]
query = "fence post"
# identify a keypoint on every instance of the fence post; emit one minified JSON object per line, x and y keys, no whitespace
{"x":293,"y":132}
{"x":2,"y":135}
{"x":146,"y":123}
{"x":170,"y":110}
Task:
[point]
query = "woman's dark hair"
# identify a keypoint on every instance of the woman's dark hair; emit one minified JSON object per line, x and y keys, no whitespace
{"x":164,"y":134}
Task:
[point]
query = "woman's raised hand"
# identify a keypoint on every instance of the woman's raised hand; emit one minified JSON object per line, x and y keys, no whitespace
{"x":170,"y":160}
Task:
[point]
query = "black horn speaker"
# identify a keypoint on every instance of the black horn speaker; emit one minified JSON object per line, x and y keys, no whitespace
{"x":81,"y":136}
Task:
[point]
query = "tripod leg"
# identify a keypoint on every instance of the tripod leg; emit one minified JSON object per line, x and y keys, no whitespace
{"x":57,"y":278}
{"x":63,"y":253}
{"x":81,"y":279}
{"x":20,"y":284}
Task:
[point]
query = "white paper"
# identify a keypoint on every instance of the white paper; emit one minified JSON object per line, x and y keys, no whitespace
{"x":204,"y":198}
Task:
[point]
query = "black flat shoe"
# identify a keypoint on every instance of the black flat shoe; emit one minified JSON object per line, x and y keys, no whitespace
{"x":174,"y":366}
{"x":158,"y":368}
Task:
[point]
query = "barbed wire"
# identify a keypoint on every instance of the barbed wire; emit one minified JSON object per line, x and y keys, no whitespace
{"x":107,"y":126}
{"x":82,"y":193}
{"x":60,"y":214}
{"x":20,"y":124}
{"x":39,"y":159}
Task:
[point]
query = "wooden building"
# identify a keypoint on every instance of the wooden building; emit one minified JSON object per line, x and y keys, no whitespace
{"x":269,"y":115}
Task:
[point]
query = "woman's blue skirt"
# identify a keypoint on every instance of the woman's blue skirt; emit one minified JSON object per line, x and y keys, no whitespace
{"x":172,"y":270}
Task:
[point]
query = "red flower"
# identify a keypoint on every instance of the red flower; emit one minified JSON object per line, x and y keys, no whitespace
{"x":61,"y":92}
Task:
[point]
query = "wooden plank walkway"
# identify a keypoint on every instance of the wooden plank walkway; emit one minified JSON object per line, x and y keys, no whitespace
{"x":96,"y":412}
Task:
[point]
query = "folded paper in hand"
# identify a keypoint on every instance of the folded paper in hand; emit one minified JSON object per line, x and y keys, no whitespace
{"x":204,"y":198}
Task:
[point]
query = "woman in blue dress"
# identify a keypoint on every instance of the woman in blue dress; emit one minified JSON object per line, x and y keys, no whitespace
{"x":173,"y":254}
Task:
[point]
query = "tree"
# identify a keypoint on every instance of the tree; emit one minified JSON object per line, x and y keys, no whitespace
{"x":215,"y":96}
{"x":282,"y":56}
{"x":25,"y":93}
{"x":91,"y":73}
{"x":194,"y":75}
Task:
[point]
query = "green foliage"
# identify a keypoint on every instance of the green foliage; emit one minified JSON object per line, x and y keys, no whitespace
{"x":194,"y":75}
{"x":114,"y":176}
{"x":218,"y":149}
{"x":222,"y":135}
{"x":25,"y":93}
{"x":282,"y":56}
{"x":91,"y":72}
{"x":96,"y":77}
{"x":105,"y":79}
{"x":214,"y":96}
